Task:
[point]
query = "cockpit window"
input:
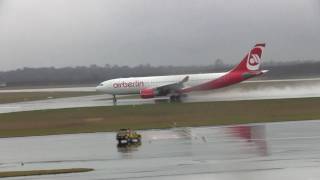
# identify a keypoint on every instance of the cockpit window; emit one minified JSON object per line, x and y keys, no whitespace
{"x":101,"y":84}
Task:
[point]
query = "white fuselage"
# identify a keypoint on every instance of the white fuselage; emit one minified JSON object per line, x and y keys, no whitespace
{"x":133,"y":85}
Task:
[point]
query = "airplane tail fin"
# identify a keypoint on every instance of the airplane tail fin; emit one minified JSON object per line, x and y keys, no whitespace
{"x":252,"y":61}
{"x":249,"y":67}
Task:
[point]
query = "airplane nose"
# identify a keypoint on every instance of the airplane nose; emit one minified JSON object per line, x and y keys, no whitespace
{"x":99,"y":88}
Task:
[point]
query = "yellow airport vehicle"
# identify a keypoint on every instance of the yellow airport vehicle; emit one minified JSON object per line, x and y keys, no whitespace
{"x":127,"y":137}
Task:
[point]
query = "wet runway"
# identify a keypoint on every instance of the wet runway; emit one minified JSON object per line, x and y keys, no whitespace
{"x":258,"y":151}
{"x":61,"y":89}
{"x":270,"y":89}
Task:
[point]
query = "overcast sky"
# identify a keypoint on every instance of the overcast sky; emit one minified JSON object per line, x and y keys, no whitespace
{"x":35,"y":33}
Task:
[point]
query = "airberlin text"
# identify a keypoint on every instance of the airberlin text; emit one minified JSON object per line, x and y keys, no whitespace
{"x":124,"y":84}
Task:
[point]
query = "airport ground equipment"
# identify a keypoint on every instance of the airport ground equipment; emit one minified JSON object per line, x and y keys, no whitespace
{"x":127,"y":137}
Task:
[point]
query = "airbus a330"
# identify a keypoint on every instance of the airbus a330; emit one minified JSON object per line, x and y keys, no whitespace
{"x":177,"y":86}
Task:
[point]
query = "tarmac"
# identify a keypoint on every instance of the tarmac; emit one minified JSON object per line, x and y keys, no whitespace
{"x":249,"y":90}
{"x":272,"y":151}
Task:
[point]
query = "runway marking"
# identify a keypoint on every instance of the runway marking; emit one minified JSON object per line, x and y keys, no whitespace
{"x":284,"y":80}
{"x":9,"y":107}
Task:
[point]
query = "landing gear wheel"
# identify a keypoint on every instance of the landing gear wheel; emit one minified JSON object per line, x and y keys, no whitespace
{"x":114,"y":99}
{"x":175,"y":98}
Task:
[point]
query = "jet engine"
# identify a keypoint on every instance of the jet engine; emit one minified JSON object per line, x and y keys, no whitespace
{"x":148,"y":93}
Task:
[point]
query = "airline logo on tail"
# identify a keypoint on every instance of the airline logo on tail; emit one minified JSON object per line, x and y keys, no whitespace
{"x":253,"y":62}
{"x":254,"y":57}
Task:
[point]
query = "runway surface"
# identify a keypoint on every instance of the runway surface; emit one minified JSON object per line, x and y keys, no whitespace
{"x":61,"y":89}
{"x":250,"y":90}
{"x":273,"y":151}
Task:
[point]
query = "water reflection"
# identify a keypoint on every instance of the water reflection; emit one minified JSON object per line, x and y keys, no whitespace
{"x":129,"y":148}
{"x":228,"y":142}
{"x":253,"y":135}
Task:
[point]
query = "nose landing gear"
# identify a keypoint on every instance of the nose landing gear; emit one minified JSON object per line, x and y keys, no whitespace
{"x":114,"y":99}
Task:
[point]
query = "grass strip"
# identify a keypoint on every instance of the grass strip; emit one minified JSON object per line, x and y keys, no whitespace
{"x":42,"y":172}
{"x":164,"y":115}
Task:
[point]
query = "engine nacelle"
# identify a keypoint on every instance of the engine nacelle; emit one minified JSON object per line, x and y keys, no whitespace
{"x":147,"y":93}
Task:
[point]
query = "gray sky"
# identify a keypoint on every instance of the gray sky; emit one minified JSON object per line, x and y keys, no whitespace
{"x":35,"y":33}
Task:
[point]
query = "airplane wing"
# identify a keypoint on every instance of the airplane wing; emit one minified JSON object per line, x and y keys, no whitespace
{"x":164,"y":90}
{"x":171,"y":88}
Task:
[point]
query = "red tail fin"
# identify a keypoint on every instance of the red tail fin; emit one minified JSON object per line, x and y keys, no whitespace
{"x":252,"y":61}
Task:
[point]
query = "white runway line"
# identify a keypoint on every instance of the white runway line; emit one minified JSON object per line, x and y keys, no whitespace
{"x":283,"y":80}
{"x":9,"y":107}
{"x":71,"y":89}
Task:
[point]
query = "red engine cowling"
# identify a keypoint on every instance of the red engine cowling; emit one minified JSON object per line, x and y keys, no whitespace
{"x":147,"y":93}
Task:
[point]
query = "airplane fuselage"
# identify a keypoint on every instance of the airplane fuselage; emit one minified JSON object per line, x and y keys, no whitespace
{"x":134,"y":85}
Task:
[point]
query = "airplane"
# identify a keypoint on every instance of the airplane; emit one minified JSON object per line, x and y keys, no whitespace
{"x":178,"y":86}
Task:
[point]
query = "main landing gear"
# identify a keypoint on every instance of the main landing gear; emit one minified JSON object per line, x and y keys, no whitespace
{"x":177,"y":98}
{"x":114,"y":99}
